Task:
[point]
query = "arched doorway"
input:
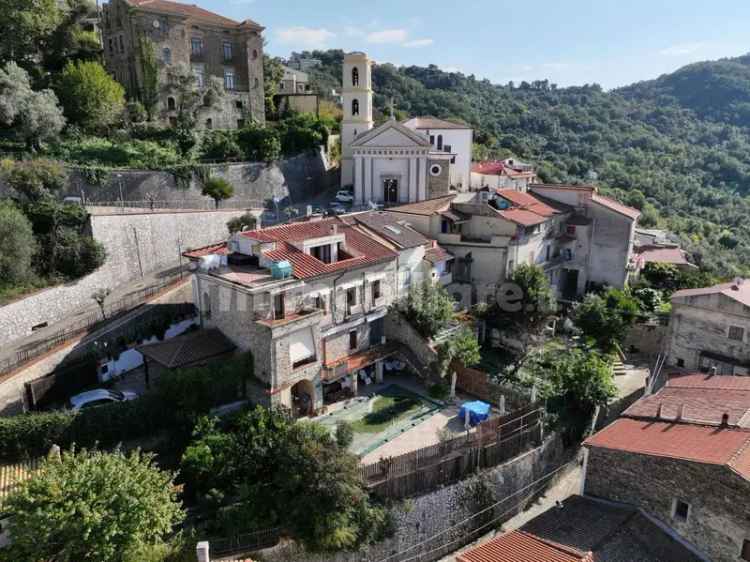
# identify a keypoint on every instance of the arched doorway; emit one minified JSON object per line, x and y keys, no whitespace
{"x":303,"y":398}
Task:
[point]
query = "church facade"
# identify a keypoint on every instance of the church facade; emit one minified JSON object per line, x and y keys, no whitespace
{"x":394,"y":163}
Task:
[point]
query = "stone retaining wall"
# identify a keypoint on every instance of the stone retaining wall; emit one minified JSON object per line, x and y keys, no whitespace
{"x":419,"y":519}
{"x":136,"y":244}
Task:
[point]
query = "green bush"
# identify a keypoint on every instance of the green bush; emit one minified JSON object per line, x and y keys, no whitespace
{"x":220,"y":145}
{"x":90,"y":97}
{"x":439,"y":391}
{"x":344,"y":434}
{"x":259,"y":144}
{"x":302,"y":132}
{"x":136,"y":153}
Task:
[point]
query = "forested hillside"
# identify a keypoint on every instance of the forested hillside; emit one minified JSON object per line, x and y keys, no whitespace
{"x":676,"y":147}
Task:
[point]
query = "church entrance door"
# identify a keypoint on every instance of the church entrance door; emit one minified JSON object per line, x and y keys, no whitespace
{"x":390,"y":190}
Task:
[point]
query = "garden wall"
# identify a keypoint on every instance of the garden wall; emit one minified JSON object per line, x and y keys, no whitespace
{"x":398,"y":329}
{"x":420,"y":518}
{"x":256,"y":184}
{"x":136,"y":244}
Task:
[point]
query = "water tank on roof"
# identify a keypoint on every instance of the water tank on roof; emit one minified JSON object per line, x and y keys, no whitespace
{"x":502,"y":204}
{"x":281,"y":269}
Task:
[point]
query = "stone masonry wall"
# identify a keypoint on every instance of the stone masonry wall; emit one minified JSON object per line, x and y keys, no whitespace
{"x":397,"y":328}
{"x":420,"y":518}
{"x":134,"y":243}
{"x":717,"y":522}
{"x":255,"y":184}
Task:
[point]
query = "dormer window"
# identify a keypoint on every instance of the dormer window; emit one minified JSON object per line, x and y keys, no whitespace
{"x":322,"y":253}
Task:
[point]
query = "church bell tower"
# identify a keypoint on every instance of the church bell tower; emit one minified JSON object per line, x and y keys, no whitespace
{"x":356,"y":95}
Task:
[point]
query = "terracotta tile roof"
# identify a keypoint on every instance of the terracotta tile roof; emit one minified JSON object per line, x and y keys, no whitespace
{"x":499,"y":168}
{"x":519,"y":546}
{"x":365,"y":250}
{"x":426,"y":207}
{"x":437,"y":254}
{"x":695,"y":405}
{"x":703,"y":380}
{"x":674,"y":256}
{"x":690,"y":442}
{"x":190,"y":11}
{"x":528,"y":202}
{"x":188,"y":349}
{"x":430,"y":122}
{"x":739,"y":292}
{"x":522,"y":217}
{"x":564,"y":186}
{"x":615,"y":206}
{"x":219,"y":248}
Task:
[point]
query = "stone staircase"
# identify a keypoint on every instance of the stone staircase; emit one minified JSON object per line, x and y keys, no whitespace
{"x":619,"y":367}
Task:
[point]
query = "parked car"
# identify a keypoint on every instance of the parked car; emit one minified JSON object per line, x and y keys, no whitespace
{"x":99,"y":397}
{"x":344,"y":196}
{"x":338,"y":209}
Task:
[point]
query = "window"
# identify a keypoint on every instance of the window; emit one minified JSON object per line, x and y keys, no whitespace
{"x":111,"y":46}
{"x":256,"y":83}
{"x":227,"y":50}
{"x":229,"y":79}
{"x":278,"y":306}
{"x":122,"y":44}
{"x":320,"y":302}
{"x":447,"y":148}
{"x":440,"y":142}
{"x":736,"y":333}
{"x":351,"y":297}
{"x":171,"y":105}
{"x":255,"y":54}
{"x":173,"y":121}
{"x":166,"y":55}
{"x":196,"y":46}
{"x":376,"y":294}
{"x":435,"y":169}
{"x":546,"y":257}
{"x":238,"y":104}
{"x":432,"y":140}
{"x":355,"y":76}
{"x":240,"y":123}
{"x":322,"y":253}
{"x":745,"y":554}
{"x":355,"y":107}
{"x":199,"y":74}
{"x":209,"y":123}
{"x":510,"y":267}
{"x":680,"y":510}
{"x":680,"y":362}
{"x":352,"y":340}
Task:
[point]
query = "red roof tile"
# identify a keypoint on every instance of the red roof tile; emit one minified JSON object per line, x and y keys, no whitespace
{"x":696,"y":443}
{"x":426,"y":207}
{"x":528,"y":202}
{"x":364,"y":249}
{"x":219,"y":248}
{"x":615,"y":206}
{"x":520,"y":546}
{"x":191,"y":11}
{"x":714,"y":382}
{"x":499,"y":168}
{"x":522,"y":217}
{"x":675,"y":256}
{"x":437,"y":254}
{"x":734,"y":290}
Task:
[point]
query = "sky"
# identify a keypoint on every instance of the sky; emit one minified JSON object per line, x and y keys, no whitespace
{"x":569,"y":42}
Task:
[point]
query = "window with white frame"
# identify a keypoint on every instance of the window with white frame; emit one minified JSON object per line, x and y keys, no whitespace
{"x":229,"y":79}
{"x":227,"y":50}
{"x":196,"y":46}
{"x":199,"y":72}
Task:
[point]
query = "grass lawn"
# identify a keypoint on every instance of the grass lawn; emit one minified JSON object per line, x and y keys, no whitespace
{"x":387,"y":409}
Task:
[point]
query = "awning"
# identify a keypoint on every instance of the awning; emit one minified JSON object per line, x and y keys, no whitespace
{"x":301,"y":346}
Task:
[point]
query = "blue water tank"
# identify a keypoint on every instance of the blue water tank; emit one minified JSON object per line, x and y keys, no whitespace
{"x":281,"y":269}
{"x":502,"y":204}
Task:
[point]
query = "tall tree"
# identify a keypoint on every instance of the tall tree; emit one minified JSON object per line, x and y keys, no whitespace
{"x":34,"y":117}
{"x":91,"y":506}
{"x":149,"y":94}
{"x":273,"y":72}
{"x":91,"y":98}
{"x":27,"y":26}
{"x":17,"y":246}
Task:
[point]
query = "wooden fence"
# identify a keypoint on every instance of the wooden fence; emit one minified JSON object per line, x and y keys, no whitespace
{"x":495,"y":441}
{"x":86,"y":324}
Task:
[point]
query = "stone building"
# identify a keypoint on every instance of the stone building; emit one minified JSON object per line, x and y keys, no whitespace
{"x":181,"y":34}
{"x":308,"y":299}
{"x":692,"y":478}
{"x":710,"y":328}
{"x":578,"y":237}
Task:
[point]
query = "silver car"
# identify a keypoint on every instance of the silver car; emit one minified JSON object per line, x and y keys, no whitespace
{"x":99,"y":397}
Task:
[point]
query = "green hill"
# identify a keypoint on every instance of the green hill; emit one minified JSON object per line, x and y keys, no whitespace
{"x":677,"y":147}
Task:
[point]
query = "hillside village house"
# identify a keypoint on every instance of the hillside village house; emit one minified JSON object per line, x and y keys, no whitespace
{"x":577,"y":236}
{"x":710,"y":328}
{"x":308,"y":299}
{"x":209,"y":44}
{"x":502,"y":174}
{"x":394,"y":163}
{"x":682,"y":456}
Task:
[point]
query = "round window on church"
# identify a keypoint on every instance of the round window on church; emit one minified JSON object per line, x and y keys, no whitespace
{"x":436,"y":169}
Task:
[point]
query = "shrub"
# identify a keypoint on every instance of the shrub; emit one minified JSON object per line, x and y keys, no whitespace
{"x":136,"y":153}
{"x":302,"y":132}
{"x":429,"y":308}
{"x":220,"y":145}
{"x":259,"y":144}
{"x":90,"y":97}
{"x":17,"y":246}
{"x":344,"y":434}
{"x":32,"y":180}
{"x":248,"y":220}
{"x":440,"y":391}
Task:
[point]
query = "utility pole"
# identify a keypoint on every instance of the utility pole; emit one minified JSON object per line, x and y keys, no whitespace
{"x":179,"y":253}
{"x":138,"y":251}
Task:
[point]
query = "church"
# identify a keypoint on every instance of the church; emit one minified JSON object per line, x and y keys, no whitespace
{"x":397,"y":162}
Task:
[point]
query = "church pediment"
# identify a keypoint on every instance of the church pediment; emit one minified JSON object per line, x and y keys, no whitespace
{"x":391,"y":134}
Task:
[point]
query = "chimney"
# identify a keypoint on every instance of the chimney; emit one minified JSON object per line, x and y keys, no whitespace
{"x":724,"y":419}
{"x":714,"y":370}
{"x":658,"y":412}
{"x":334,"y":228}
{"x":681,"y":412}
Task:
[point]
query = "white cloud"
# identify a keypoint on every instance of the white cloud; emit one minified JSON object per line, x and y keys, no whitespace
{"x":387,"y":36}
{"x":682,"y":49}
{"x":306,"y":37}
{"x":417,"y":43}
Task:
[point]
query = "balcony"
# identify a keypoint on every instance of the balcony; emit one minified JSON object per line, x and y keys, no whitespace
{"x":353,"y":309}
